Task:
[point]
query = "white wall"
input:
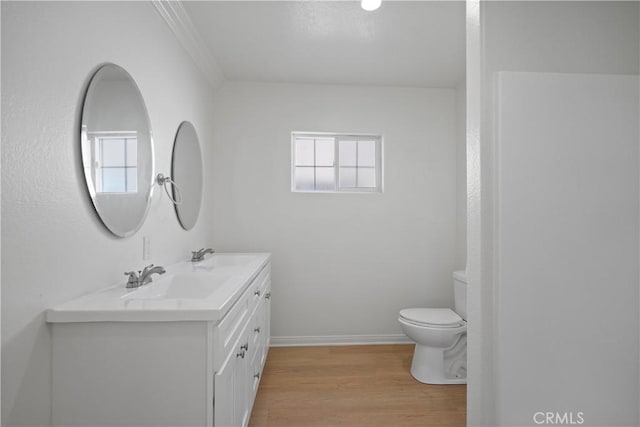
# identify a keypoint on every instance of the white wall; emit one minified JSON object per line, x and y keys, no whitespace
{"x":343,"y":264}
{"x":54,"y":247}
{"x":577,"y":37}
{"x":561,"y":36}
{"x":567,"y":247}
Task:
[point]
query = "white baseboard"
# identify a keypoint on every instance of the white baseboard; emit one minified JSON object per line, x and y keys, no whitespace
{"x":299,"y":341}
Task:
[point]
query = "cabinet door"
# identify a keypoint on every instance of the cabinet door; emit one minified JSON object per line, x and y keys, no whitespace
{"x":242,"y":406}
{"x":255,"y":370}
{"x":225,"y":393}
{"x":232,"y":387}
{"x":258,"y":328}
{"x":267,"y":320}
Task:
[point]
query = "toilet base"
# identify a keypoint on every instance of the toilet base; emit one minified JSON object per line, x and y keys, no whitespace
{"x":428,"y":366}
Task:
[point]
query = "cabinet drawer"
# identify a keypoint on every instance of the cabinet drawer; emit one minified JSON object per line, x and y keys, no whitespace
{"x":258,"y":286}
{"x":258,"y":329}
{"x":229,"y":329}
{"x":234,"y":322}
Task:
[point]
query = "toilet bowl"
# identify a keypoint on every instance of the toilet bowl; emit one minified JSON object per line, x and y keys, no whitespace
{"x":440,"y":355}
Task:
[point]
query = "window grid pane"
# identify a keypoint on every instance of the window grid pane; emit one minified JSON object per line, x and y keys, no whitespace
{"x":348,"y":177}
{"x":132,"y":180}
{"x":314,"y":164}
{"x":347,"y":153}
{"x":324,"y":150}
{"x":114,"y":180}
{"x":132,"y":152}
{"x":305,"y":152}
{"x":357,"y":164}
{"x":325,"y":179}
{"x":366,"y":178}
{"x":113,"y":152}
{"x":305,"y":178}
{"x":367,"y":153}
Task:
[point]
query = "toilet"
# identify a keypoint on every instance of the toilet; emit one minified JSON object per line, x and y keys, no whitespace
{"x":440,"y":334}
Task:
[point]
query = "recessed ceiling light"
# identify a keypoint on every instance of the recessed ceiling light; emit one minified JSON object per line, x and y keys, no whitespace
{"x":370,"y":5}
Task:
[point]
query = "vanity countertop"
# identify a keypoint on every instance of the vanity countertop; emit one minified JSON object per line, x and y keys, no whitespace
{"x":202,"y":291}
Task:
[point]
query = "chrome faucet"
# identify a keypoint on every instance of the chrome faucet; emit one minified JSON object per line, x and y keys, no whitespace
{"x":143,"y":277}
{"x":198,"y":255}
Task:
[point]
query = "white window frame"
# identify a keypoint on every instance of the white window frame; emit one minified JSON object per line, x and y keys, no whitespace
{"x":355,"y":136}
{"x":96,"y":140}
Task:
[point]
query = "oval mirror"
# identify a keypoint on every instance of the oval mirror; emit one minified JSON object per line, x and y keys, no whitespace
{"x":117,"y":150}
{"x":186,"y":172}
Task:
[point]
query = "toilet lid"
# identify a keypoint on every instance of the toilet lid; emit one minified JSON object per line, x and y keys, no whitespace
{"x":442,"y":317}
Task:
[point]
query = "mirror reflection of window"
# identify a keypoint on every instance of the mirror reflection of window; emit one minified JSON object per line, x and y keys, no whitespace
{"x":115,"y":162}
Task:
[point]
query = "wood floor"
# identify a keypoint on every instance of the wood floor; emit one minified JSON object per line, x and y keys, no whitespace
{"x":351,"y":386}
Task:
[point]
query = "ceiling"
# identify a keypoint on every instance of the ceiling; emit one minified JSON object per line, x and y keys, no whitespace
{"x":404,"y":43}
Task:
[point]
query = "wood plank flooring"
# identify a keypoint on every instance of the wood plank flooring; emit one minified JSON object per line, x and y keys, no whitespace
{"x":351,"y":386}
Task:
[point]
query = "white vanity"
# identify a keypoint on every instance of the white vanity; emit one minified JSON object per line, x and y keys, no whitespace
{"x":187,"y":349}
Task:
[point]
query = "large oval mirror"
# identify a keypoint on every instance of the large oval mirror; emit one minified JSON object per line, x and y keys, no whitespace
{"x":186,"y":172}
{"x":117,"y":150}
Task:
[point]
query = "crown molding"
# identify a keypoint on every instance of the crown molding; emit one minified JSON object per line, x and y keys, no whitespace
{"x":179,"y":22}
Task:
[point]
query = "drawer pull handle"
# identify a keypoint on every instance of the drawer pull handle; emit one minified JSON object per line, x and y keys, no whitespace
{"x":241,"y":354}
{"x":257,"y":330}
{"x":268,"y":295}
{"x":257,"y":293}
{"x":245,"y":346}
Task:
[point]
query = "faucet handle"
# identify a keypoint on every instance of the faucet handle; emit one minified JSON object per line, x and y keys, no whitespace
{"x":133,"y":279}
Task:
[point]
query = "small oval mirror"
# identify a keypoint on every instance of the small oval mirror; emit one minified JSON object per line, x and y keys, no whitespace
{"x":186,"y":172}
{"x":117,"y":150}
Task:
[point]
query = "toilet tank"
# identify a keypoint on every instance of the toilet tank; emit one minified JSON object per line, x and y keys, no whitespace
{"x":460,"y":293}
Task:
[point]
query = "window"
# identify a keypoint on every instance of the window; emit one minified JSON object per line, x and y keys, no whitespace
{"x":324,"y":162}
{"x":115,"y":168}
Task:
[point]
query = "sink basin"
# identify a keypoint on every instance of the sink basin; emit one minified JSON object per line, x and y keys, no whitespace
{"x":179,"y":286}
{"x":224,"y":260}
{"x":188,"y":291}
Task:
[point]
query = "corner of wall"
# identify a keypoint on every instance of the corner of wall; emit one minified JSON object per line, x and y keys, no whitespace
{"x":461,"y":177}
{"x":481,"y":406}
{"x":179,"y":21}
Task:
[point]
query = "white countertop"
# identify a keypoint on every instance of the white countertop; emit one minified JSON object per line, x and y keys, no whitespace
{"x":202,"y":291}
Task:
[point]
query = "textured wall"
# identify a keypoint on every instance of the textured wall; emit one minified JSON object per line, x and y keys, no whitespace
{"x":54,"y":247}
{"x":343,"y":264}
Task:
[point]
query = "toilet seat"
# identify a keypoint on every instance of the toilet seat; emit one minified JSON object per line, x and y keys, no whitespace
{"x":432,"y":317}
